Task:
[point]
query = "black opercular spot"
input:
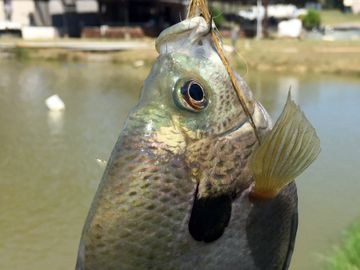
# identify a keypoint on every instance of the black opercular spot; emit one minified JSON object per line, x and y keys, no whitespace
{"x":209,"y":218}
{"x":196,"y":92}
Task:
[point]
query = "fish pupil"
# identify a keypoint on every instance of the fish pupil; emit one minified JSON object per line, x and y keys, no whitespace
{"x":196,"y":92}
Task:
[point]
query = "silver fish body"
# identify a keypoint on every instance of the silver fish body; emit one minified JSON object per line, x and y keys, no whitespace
{"x":174,"y":194}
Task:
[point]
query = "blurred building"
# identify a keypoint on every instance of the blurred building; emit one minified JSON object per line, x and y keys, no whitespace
{"x":67,"y":16}
{"x":17,"y":11}
{"x":71,"y":17}
{"x":151,"y":15}
{"x":130,"y":12}
{"x":353,"y":5}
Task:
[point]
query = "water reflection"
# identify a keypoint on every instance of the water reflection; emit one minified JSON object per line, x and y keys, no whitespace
{"x":286,"y":84}
{"x":55,"y":120}
{"x":272,"y":90}
{"x":48,"y":167}
{"x":51,"y":163}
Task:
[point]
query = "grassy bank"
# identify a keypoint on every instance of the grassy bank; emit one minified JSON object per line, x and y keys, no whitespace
{"x":335,"y":17}
{"x":340,"y":57}
{"x":295,"y":56}
{"x":347,"y":255}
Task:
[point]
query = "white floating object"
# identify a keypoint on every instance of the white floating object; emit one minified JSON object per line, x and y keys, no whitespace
{"x":54,"y":103}
{"x":55,"y":120}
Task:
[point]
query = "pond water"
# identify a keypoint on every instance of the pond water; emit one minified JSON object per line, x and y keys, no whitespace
{"x":50,"y":168}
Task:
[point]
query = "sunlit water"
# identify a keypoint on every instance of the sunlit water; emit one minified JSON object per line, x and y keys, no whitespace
{"x":49,"y":162}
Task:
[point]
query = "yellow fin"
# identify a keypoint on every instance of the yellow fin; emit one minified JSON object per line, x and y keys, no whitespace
{"x":285,"y":152}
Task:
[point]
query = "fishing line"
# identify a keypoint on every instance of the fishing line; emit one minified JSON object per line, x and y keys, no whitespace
{"x":201,"y":5}
{"x":238,"y":54}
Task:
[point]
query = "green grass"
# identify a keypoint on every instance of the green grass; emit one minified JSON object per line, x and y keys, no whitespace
{"x":281,"y":55}
{"x":347,"y":255}
{"x":333,"y":17}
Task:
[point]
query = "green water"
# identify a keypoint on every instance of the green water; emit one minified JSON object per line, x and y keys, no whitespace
{"x":49,"y":169}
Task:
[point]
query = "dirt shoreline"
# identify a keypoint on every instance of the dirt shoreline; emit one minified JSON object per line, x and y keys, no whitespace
{"x":338,"y":57}
{"x":294,"y":56}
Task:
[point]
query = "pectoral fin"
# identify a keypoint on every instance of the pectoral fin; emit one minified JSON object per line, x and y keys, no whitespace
{"x":285,"y":152}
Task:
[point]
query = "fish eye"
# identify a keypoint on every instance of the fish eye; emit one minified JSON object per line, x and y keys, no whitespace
{"x":191,"y":95}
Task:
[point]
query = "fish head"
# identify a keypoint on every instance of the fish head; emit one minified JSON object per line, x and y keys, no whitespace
{"x":190,"y":108}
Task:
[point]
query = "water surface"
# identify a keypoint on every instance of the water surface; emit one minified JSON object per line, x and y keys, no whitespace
{"x":50,"y":163}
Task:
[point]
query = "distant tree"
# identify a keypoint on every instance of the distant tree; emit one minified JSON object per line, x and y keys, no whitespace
{"x":216,"y":15}
{"x":311,"y":19}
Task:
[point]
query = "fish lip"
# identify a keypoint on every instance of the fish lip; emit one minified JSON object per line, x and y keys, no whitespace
{"x":233,"y":129}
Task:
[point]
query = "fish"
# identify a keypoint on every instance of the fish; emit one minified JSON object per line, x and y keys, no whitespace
{"x":190,"y":184}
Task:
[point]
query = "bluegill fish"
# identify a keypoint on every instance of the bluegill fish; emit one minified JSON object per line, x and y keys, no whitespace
{"x":188,"y":186}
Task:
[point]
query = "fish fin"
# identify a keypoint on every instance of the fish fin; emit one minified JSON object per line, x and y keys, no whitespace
{"x":285,"y":152}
